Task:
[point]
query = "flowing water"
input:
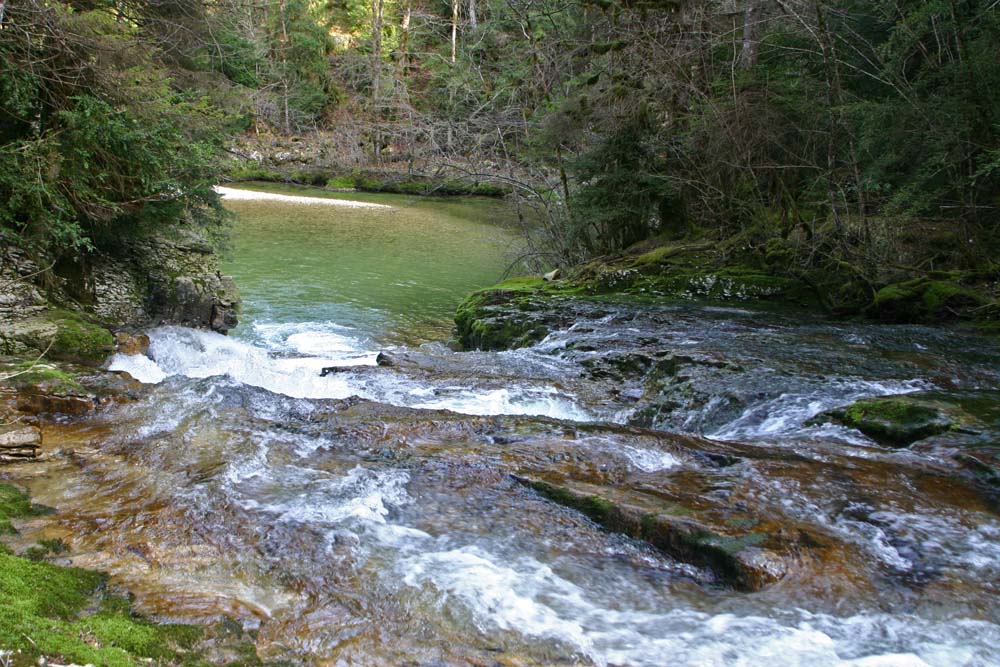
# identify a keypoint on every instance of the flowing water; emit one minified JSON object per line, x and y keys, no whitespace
{"x":373,"y":517}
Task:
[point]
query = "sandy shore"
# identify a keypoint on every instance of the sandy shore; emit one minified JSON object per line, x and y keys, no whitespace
{"x":236,"y":194}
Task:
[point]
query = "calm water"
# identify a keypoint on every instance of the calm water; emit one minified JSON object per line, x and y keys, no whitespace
{"x":395,"y":274}
{"x":371,"y":517}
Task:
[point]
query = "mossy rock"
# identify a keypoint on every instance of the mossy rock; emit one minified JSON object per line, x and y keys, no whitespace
{"x":14,"y":504}
{"x":924,"y":300}
{"x":77,"y":339}
{"x":737,"y":559}
{"x":503,"y":317}
{"x":34,"y":373}
{"x":894,"y":420}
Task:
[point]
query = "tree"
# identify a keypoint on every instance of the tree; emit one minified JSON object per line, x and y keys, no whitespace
{"x":94,"y":142}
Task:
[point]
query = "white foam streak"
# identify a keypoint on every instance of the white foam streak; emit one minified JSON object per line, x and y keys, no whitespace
{"x":528,"y":598}
{"x":234,"y":194}
{"x":787,"y":414}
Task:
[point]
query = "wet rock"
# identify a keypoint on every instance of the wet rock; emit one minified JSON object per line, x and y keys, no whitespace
{"x":161,"y":279}
{"x":127,"y":343}
{"x":510,"y":315}
{"x":19,"y":443}
{"x":60,"y":334}
{"x":40,"y":402}
{"x":737,"y":559}
{"x":51,"y":388}
{"x":386,"y":360}
{"x":894,"y":420}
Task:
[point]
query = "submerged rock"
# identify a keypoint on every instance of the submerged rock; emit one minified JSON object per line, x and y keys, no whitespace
{"x":963,"y":426}
{"x":734,"y":557}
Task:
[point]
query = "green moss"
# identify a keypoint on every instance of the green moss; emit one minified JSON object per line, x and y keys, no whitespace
{"x":924,"y":299}
{"x":253,"y":172}
{"x":940,"y":297}
{"x":520,"y":283}
{"x":77,"y":339}
{"x":595,"y":508}
{"x":33,"y":373}
{"x":496,"y":318}
{"x":66,"y":614}
{"x":43,"y":611}
{"x":341,"y":183}
{"x":895,"y":421}
{"x":14,"y":504}
{"x":654,"y":256}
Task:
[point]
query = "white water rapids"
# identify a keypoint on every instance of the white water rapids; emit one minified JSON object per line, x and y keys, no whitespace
{"x":493,"y":586}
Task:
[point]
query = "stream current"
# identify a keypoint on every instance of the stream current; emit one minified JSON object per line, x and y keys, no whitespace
{"x":370,"y":517}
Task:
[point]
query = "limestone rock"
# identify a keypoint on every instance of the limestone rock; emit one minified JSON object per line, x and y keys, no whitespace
{"x":19,"y":443}
{"x":166,"y":280}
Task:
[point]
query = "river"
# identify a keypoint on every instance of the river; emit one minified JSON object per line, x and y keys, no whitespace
{"x":372,"y":516}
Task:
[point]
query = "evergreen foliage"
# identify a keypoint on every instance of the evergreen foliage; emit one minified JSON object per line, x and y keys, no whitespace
{"x":94,"y":140}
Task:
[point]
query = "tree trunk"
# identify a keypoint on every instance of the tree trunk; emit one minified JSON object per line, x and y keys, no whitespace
{"x":376,"y":74}
{"x":404,"y":38}
{"x":454,"y":29}
{"x":473,"y":19}
{"x":828,"y":48}
{"x":751,"y":20}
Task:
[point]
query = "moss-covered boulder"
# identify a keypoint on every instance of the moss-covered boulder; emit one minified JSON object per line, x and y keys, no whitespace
{"x":62,"y":334}
{"x":924,"y":300}
{"x":895,"y":420}
{"x":506,"y":316}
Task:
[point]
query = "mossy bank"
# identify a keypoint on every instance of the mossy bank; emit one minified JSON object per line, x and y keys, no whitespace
{"x":517,"y":312}
{"x":68,"y":311}
{"x":53,"y":613}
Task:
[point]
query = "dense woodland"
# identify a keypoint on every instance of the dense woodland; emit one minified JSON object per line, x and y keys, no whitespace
{"x":853,"y":144}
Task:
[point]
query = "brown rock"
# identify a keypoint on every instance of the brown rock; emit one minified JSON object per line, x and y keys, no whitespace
{"x":126,"y":343}
{"x":66,"y":404}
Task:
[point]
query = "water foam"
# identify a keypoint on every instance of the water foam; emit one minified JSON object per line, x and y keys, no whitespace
{"x":296,"y":356}
{"x":786,"y":415}
{"x":527,"y":598}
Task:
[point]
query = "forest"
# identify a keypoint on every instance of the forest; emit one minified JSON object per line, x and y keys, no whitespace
{"x":851,"y":144}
